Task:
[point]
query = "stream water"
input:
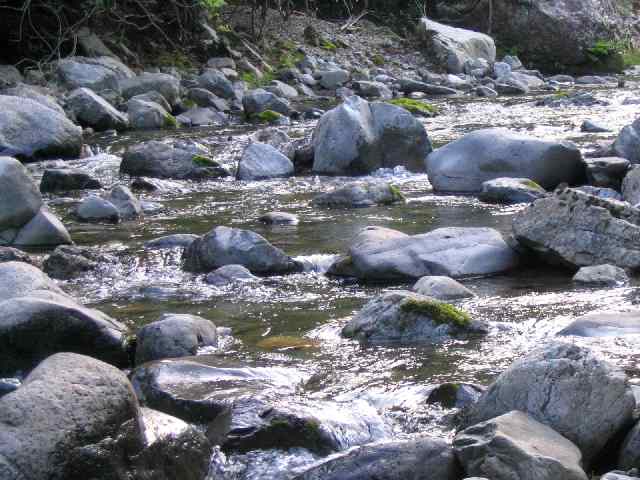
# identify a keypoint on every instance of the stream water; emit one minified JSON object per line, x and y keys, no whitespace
{"x":524,"y":308}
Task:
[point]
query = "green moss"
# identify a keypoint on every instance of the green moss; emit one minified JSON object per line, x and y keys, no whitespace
{"x":203,"y":161}
{"x":170,"y":121}
{"x":532,"y":184}
{"x":253,"y":81}
{"x":397,"y":195}
{"x":560,"y":94}
{"x":415,"y":106}
{"x":377,"y":59}
{"x":328,"y":45}
{"x":188,"y":103}
{"x":268,"y":116}
{"x":440,"y":312}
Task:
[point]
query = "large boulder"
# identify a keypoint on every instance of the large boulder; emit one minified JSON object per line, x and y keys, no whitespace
{"x":24,"y":220}
{"x":381,"y":254}
{"x":575,"y":229}
{"x":216,"y":83}
{"x":550,"y":33}
{"x":261,"y":161}
{"x":233,"y":246}
{"x":257,"y":101}
{"x":514,"y":445}
{"x":464,"y":164}
{"x":402,"y":316}
{"x":631,"y":187}
{"x":452,"y":47}
{"x":40,"y":95}
{"x":166,"y":85}
{"x":174,"y":336}
{"x":30,"y":130}
{"x":129,"y":207}
{"x":68,"y":402}
{"x":160,"y":160}
{"x":19,"y":279}
{"x":97,"y":74}
{"x":94,"y":111}
{"x":566,"y":387}
{"x":33,"y":328}
{"x":401,"y":460}
{"x":145,"y":115}
{"x":627,"y":145}
{"x":358,"y":137}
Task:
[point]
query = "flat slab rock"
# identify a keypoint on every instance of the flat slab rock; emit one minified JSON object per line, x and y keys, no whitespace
{"x":604,"y":325}
{"x":575,"y":229}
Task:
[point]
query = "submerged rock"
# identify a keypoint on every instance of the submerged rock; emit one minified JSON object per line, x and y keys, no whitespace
{"x":358,"y":195}
{"x":359,"y":137}
{"x":229,"y":274}
{"x":401,"y":460}
{"x":601,"y":275}
{"x":575,"y":229}
{"x":567,"y":388}
{"x":514,"y":445}
{"x":173,"y":336}
{"x":68,"y":261}
{"x":604,"y":325}
{"x":127,"y":203}
{"x":441,"y":288}
{"x":67,"y":403}
{"x":29,"y":130}
{"x":381,"y":254}
{"x":510,"y":190}
{"x":233,"y":246}
{"x":402,"y":316}
{"x":453,"y":47}
{"x":464,"y":164}
{"x":160,"y":160}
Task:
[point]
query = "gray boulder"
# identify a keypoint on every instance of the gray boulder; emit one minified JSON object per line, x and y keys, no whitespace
{"x":514,"y":445}
{"x":229,"y":274}
{"x":93,"y":111}
{"x":627,"y":145}
{"x":233,"y":246}
{"x":204,"y":98}
{"x":261,"y":161}
{"x":601,"y":275}
{"x":174,"y":336}
{"x":32,"y":328}
{"x":631,"y":187}
{"x":604,"y":325}
{"x":166,"y":85}
{"x":368,"y":89}
{"x":510,"y":190}
{"x":281,"y":89}
{"x":68,"y":261}
{"x":332,"y":79}
{"x":202,"y":116}
{"x":66,"y":179}
{"x":415,"y":459}
{"x":277,"y":138}
{"x":216,"y":83}
{"x":381,"y":254}
{"x":464,"y":164}
{"x":452,"y":47}
{"x":566,"y":387}
{"x":43,"y":230}
{"x":160,"y":160}
{"x":144,"y":115}
{"x":402,"y":316}
{"x":441,"y":288}
{"x":257,"y":101}
{"x":20,"y":199}
{"x":359,"y":137}
{"x":409,"y":86}
{"x":96,"y":209}
{"x":9,"y":254}
{"x":607,"y":172}
{"x":576,"y":229}
{"x":358,"y":195}
{"x":97,"y":74}
{"x":43,"y":96}
{"x":68,"y":402}
{"x":19,"y":279}
{"x":30,"y":130}
{"x":182,"y":240}
{"x":9,"y":76}
{"x":153,"y":97}
{"x":128,"y":205}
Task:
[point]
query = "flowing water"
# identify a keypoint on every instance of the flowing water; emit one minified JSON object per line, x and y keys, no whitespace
{"x":524,"y":308}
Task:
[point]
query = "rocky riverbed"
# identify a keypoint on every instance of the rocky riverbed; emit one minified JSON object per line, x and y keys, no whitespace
{"x":267,"y":323}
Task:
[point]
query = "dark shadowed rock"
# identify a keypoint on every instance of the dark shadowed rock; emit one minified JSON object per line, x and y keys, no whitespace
{"x":64,"y":180}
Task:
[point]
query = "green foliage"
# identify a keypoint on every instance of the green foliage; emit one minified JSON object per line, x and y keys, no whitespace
{"x":378,"y":60}
{"x":604,"y":48}
{"x":416,"y":107}
{"x":176,"y":59}
{"x":170,"y":121}
{"x":441,"y":313}
{"x":268,"y":116}
{"x":253,"y":81}
{"x":203,"y":161}
{"x":631,"y":57}
{"x":212,"y":6}
{"x":328,"y":45}
{"x":398,"y":196}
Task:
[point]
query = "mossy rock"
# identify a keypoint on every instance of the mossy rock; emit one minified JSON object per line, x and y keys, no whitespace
{"x":378,"y":60}
{"x":328,"y":45}
{"x":202,"y":161}
{"x":287,"y":343}
{"x":416,"y":107}
{"x":532,"y":184}
{"x":439,"y":312}
{"x":397,"y":195}
{"x":170,"y":121}
{"x":268,"y":116}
